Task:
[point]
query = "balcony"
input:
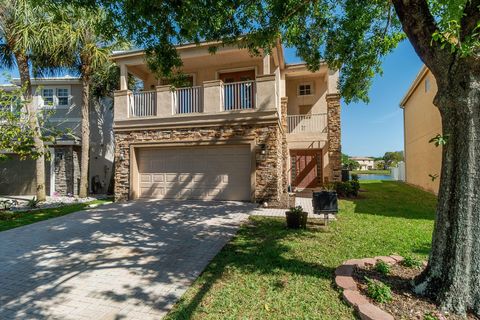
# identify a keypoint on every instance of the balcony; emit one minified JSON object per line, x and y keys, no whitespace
{"x":308,"y":123}
{"x":212,"y":98}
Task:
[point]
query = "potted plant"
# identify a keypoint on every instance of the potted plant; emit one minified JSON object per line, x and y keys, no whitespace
{"x":325,"y":200}
{"x":296,"y":218}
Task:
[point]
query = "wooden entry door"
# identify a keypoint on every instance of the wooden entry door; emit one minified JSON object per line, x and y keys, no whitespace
{"x":237,"y":76}
{"x":305,"y":168}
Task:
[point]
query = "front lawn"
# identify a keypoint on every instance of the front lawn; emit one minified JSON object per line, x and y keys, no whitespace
{"x":370,"y":171}
{"x":268,"y":272}
{"x":10,"y":220}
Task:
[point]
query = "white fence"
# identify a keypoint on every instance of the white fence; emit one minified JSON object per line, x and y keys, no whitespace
{"x":143,"y":104}
{"x":188,"y":100}
{"x":307,"y":123}
{"x":239,"y":95}
{"x":398,"y":173}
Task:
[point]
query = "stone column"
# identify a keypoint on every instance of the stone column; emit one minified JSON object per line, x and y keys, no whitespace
{"x":283,"y":123}
{"x":334,"y":136}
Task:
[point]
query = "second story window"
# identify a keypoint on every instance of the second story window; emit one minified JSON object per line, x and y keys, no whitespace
{"x":47,"y":95}
{"x":62,"y":96}
{"x":305,"y":89}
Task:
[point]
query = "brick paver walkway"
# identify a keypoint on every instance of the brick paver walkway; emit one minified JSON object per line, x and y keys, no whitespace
{"x":120,"y":261}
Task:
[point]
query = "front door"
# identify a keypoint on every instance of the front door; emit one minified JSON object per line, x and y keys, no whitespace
{"x":305,"y":166}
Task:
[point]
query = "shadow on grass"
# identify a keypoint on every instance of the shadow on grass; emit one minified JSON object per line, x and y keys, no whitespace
{"x":395,"y":199}
{"x":256,"y":249}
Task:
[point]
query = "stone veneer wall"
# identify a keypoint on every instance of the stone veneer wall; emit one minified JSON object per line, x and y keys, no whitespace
{"x":269,"y":168}
{"x":67,"y":170}
{"x":334,"y":136}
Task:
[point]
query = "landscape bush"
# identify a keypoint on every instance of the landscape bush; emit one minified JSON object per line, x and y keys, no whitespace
{"x":378,"y":291}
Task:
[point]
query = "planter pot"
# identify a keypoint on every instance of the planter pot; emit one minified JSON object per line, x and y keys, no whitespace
{"x":325,"y":201}
{"x":296,"y":221}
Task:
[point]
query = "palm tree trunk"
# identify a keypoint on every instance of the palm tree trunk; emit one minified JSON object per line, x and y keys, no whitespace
{"x":83,"y":192}
{"x":23,"y":69}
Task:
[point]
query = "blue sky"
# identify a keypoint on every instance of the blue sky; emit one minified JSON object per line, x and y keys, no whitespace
{"x":374,"y":128}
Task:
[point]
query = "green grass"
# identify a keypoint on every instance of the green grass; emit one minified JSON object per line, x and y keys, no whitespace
{"x":268,"y":272}
{"x":10,"y":220}
{"x":370,"y":171}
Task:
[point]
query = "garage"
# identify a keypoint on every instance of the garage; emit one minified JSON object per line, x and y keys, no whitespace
{"x":206,"y":172}
{"x":17,"y":177}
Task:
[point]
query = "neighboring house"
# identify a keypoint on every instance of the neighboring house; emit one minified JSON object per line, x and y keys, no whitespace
{"x":422,"y":122}
{"x":61,"y":100}
{"x":365,"y":163}
{"x":246,"y":129}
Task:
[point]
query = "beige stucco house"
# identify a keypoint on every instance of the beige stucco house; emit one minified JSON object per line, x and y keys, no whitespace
{"x":366,"y":163}
{"x":246,"y":128}
{"x":59,"y":100}
{"x":422,"y":122}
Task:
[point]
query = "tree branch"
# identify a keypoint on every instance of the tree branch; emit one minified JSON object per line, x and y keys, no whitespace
{"x":470,"y":19}
{"x":419,"y":25}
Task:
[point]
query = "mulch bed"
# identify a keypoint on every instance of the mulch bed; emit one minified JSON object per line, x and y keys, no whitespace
{"x":405,"y":303}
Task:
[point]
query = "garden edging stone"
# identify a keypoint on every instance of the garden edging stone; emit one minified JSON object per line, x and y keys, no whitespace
{"x":352,"y":296}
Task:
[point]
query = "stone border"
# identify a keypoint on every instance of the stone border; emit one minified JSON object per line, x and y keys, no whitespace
{"x":351,"y":294}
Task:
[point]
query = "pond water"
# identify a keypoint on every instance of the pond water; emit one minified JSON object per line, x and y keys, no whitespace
{"x":374,"y":177}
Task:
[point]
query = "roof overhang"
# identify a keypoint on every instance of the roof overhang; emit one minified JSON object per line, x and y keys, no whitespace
{"x":47,"y":81}
{"x":423,"y":71}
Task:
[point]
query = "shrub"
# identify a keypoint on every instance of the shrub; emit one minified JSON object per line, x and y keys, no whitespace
{"x":382,"y":267}
{"x":411,"y":262}
{"x":430,"y":316}
{"x":378,"y":291}
{"x":354,"y":177}
{"x":296,"y":210}
{"x":33,"y":203}
{"x":347,"y":188}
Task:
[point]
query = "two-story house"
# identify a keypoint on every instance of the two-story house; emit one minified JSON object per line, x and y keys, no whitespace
{"x":246,"y":128}
{"x":60,"y":101}
{"x":365,"y":163}
{"x":422,"y":122}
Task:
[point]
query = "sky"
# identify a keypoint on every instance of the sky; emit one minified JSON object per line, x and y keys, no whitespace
{"x":377,"y":127}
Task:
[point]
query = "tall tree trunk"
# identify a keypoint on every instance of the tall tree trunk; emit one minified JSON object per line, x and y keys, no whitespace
{"x":83,"y":192}
{"x":24,"y":71}
{"x":452,"y":276}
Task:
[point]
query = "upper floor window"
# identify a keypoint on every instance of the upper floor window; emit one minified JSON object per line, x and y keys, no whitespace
{"x":427,"y":84}
{"x":47,"y":95}
{"x":55,"y":96}
{"x":62,"y":96}
{"x":305,"y":89}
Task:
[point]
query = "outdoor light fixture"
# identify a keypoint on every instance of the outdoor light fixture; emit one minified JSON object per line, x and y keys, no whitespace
{"x":261,"y":152}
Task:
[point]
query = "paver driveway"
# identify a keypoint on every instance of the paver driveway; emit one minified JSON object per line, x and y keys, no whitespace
{"x":120,"y":261}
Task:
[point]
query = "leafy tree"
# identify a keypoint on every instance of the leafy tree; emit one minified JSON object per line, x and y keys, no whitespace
{"x":24,"y":31}
{"x":348,"y":163}
{"x":356,"y":35}
{"x":16,"y":134}
{"x":392,"y":158}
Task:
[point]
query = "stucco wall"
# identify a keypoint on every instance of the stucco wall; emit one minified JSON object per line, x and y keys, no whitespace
{"x":422,"y":122}
{"x":317,"y":99}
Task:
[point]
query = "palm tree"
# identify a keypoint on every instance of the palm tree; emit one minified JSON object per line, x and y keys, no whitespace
{"x":86,"y":49}
{"x":23,"y":30}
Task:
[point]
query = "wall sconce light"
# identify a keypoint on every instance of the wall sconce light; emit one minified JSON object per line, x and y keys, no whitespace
{"x":261,"y":152}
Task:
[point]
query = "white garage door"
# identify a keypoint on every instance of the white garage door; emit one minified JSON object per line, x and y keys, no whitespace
{"x":208,"y":173}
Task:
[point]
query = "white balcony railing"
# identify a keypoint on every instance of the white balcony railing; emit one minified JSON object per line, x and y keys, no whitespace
{"x":188,"y":100}
{"x":143,"y":104}
{"x":307,"y":123}
{"x":239,"y":95}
